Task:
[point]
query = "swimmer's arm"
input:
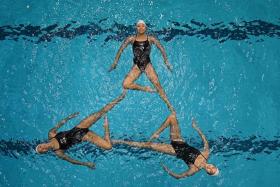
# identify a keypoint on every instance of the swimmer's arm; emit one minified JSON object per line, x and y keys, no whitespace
{"x":202,"y":136}
{"x":187,"y":173}
{"x":63,"y":156}
{"x":162,"y":50}
{"x":52,"y":132}
{"x":127,"y":41}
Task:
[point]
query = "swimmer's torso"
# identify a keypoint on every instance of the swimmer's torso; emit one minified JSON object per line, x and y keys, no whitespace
{"x":141,"y":52}
{"x":67,"y":139}
{"x":185,"y":152}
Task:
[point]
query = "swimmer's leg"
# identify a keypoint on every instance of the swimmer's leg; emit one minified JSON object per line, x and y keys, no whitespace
{"x":132,"y":76}
{"x":97,"y":140}
{"x":159,"y":147}
{"x":104,"y":143}
{"x":91,"y":119}
{"x":152,"y":75}
{"x":175,"y":133}
{"x":107,"y":131}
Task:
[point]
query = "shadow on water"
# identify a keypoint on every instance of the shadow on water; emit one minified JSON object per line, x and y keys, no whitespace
{"x":222,"y":146}
{"x":220,"y":31}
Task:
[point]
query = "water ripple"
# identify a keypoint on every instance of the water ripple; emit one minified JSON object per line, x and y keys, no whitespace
{"x":220,"y":31}
{"x":222,"y":146}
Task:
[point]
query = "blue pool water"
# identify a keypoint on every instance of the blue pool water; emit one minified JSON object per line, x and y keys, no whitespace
{"x":54,"y":61}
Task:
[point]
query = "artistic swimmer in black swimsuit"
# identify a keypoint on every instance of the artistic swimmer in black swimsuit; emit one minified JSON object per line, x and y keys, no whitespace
{"x":195,"y":159}
{"x":59,"y":142}
{"x":141,"y":45}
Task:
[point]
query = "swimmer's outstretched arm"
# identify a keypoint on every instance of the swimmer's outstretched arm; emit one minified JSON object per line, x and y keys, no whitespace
{"x":127,"y":41}
{"x":160,"y":47}
{"x":63,"y":156}
{"x":202,"y":136}
{"x":52,"y":132}
{"x":187,"y":173}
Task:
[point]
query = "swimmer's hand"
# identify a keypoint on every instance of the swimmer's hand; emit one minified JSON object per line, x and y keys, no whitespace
{"x":113,"y":66}
{"x":62,"y":122}
{"x":74,"y":115}
{"x":168,"y":65}
{"x":90,"y":165}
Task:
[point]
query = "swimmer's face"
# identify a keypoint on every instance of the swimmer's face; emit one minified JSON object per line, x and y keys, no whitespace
{"x":141,"y":28}
{"x":210,"y":169}
{"x":42,"y":148}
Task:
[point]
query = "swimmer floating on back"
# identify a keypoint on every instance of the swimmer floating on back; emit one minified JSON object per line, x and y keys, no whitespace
{"x":195,"y":159}
{"x":59,"y":142}
{"x":141,"y":45}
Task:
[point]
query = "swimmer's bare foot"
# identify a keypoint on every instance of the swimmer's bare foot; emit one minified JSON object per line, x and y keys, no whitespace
{"x":106,"y":123}
{"x":117,"y":142}
{"x":149,"y":89}
{"x":154,"y":136}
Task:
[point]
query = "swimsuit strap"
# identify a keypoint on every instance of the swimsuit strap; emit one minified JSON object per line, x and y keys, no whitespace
{"x":203,"y":157}
{"x":197,"y":167}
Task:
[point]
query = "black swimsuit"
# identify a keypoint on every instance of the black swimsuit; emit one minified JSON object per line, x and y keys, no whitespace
{"x":67,"y":139}
{"x":185,"y":152}
{"x":141,"y":52}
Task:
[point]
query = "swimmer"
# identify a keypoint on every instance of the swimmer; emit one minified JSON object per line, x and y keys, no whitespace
{"x":59,"y":142}
{"x":141,"y":46}
{"x":195,"y":159}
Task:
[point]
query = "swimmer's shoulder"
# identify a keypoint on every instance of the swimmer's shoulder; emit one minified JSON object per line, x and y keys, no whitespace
{"x":205,"y":154}
{"x":130,"y":39}
{"x":54,"y":143}
{"x":152,"y":39}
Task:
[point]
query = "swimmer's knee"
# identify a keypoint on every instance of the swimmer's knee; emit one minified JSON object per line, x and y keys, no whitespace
{"x":173,"y":115}
{"x":107,"y":146}
{"x":126,"y":85}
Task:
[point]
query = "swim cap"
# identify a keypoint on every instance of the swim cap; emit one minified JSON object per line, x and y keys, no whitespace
{"x":140,"y":21}
{"x":216,"y":173}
